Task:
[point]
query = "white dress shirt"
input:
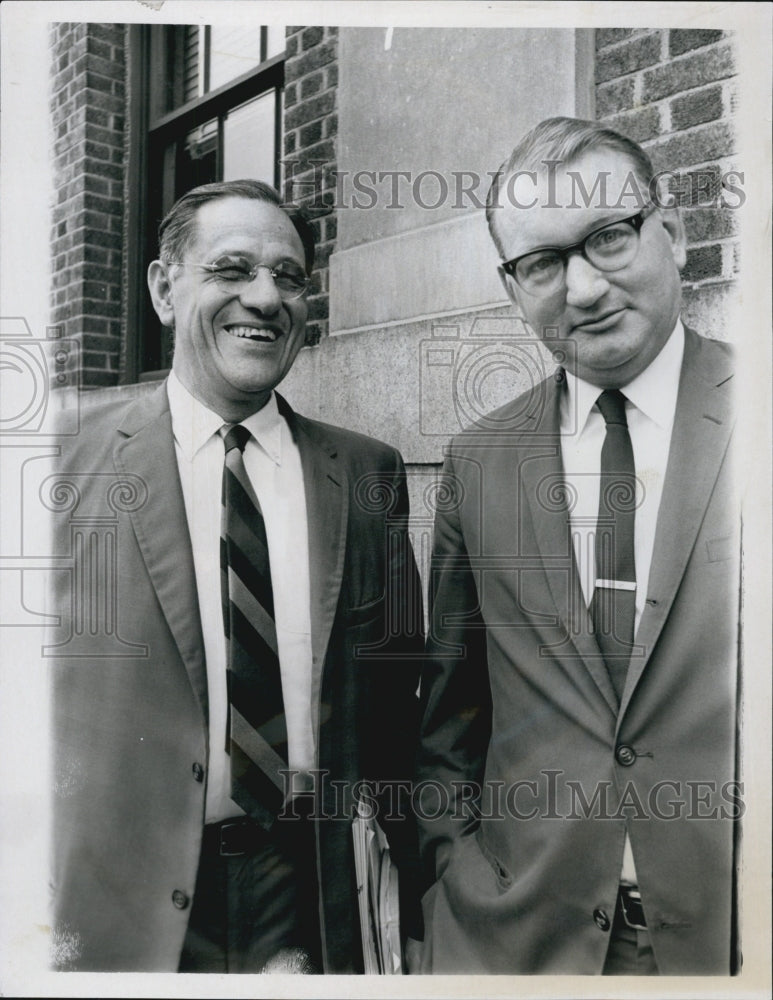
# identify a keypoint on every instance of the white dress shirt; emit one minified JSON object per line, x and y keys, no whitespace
{"x":650,"y":409}
{"x":273,"y":464}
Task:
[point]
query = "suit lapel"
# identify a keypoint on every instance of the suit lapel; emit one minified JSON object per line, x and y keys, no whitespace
{"x":327,"y":509}
{"x":702,"y":427}
{"x":146,"y":449}
{"x":543,"y":490}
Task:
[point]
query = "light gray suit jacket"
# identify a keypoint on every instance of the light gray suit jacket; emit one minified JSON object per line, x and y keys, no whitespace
{"x":515,"y":695}
{"x":130,"y":686}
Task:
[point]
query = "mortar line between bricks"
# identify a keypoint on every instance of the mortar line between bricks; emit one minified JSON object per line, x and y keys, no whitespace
{"x":664,"y":63}
{"x":704,"y":125}
{"x":676,"y":95}
{"x":611,"y":46}
{"x":675,"y":60}
{"x":688,"y":91}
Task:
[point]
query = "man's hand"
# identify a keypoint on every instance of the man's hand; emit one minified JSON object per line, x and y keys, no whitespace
{"x":413,"y":954}
{"x":290,"y":960}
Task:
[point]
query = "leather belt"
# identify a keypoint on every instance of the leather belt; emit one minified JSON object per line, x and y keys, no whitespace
{"x":631,"y":910}
{"x":242,"y":835}
{"x":234,"y":838}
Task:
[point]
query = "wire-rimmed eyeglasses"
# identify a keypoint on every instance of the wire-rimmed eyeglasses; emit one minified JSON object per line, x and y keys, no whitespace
{"x":542,"y":272}
{"x":237,"y":272}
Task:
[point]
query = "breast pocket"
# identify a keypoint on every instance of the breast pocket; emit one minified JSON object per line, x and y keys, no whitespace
{"x":363,"y":614}
{"x":721,"y":549}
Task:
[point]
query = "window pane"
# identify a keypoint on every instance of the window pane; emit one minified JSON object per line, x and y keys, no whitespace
{"x":193,"y":45}
{"x":197,"y":158}
{"x":248,"y":140}
{"x":233,"y":51}
{"x":275,"y":40}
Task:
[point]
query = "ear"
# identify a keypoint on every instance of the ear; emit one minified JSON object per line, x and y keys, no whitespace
{"x":673,"y":225}
{"x":161,"y":292}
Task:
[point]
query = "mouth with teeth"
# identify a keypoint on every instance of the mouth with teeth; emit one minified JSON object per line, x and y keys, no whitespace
{"x":261,"y":334}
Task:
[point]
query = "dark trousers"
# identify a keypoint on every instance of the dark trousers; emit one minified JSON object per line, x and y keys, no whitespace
{"x":256,"y":900}
{"x":630,"y":951}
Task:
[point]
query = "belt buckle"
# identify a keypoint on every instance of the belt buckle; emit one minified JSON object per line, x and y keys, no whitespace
{"x":234,"y":826}
{"x":632,"y":909}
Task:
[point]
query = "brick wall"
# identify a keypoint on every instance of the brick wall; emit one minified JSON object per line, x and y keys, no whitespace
{"x":672,"y":90}
{"x":310,"y":129}
{"x":87,"y":108}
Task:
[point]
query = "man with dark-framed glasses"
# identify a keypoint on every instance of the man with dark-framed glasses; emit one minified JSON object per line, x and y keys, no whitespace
{"x":579,"y":689}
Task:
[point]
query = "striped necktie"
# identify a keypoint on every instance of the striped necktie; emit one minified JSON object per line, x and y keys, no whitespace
{"x":257,"y":736}
{"x":614,"y":599}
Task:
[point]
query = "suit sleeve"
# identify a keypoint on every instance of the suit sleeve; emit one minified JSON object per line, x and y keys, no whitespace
{"x":393,"y":721}
{"x":396,"y":660}
{"x":455,"y":694}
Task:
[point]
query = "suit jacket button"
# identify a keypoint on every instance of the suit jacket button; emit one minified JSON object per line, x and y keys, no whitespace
{"x":179,"y":899}
{"x":601,"y":919}
{"x":625,"y":755}
{"x":198,"y":772}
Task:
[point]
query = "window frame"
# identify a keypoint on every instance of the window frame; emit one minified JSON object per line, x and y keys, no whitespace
{"x":151,"y":162}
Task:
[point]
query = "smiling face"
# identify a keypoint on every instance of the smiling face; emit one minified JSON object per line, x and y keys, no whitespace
{"x":232,"y":346}
{"x":614,"y":323}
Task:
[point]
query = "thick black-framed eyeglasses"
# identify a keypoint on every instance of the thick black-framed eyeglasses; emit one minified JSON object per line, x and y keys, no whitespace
{"x":612,"y":247}
{"x":237,"y":272}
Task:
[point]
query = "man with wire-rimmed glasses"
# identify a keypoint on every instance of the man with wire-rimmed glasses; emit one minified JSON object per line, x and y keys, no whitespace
{"x":579,"y":689}
{"x":270,"y":624}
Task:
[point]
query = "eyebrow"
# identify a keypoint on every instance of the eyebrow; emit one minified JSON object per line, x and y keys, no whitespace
{"x":252,"y":257}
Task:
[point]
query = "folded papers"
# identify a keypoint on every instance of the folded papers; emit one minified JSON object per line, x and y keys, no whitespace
{"x":377,"y":896}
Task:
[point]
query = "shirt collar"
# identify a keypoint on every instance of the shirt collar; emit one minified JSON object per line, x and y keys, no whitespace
{"x":266,"y":427}
{"x":653,"y":391}
{"x":193,"y":423}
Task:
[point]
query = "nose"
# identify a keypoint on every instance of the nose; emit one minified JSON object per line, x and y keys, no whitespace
{"x":584,"y":283}
{"x":261,"y":294}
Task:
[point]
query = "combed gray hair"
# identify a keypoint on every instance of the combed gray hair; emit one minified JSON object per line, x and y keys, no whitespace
{"x":178,"y":226}
{"x":563,"y":139}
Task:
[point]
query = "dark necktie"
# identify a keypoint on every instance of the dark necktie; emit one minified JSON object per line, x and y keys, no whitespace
{"x":257,"y":736}
{"x":614,"y":599}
